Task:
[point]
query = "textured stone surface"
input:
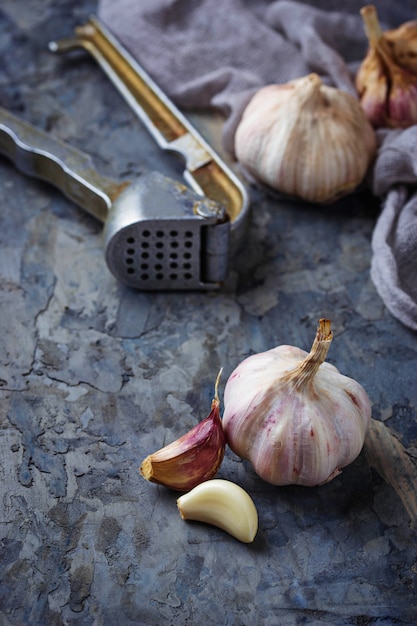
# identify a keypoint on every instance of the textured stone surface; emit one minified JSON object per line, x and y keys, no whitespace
{"x":94,"y":376}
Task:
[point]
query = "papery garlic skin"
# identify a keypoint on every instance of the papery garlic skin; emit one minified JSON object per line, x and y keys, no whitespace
{"x":295,"y":425}
{"x":305,"y":139}
{"x":371,"y":83}
{"x":403,"y":42}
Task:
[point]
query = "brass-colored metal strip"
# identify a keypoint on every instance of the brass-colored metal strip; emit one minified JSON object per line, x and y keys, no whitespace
{"x":134,"y":83}
{"x":205,"y":172}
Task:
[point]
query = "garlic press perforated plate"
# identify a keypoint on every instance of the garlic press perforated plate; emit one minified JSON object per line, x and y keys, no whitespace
{"x":159,"y":233}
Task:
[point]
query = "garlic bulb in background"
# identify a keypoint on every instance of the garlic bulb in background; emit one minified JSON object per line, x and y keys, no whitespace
{"x":297,"y":419}
{"x":387,"y":78}
{"x":305,"y":139}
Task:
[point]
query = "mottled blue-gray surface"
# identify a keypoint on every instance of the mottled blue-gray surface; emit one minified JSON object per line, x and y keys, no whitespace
{"x":95,"y":376}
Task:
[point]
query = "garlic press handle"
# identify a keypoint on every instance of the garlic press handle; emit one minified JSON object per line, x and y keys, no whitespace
{"x":37,"y":153}
{"x":206,"y":172}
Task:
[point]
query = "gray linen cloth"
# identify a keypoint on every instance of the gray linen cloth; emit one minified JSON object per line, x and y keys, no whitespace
{"x":208,"y":54}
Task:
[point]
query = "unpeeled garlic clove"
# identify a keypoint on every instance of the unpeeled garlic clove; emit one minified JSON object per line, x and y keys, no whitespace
{"x":387,"y":78}
{"x":191,"y":459}
{"x":305,"y":139}
{"x":372,"y":87}
{"x":224,"y":504}
{"x":403,"y":42}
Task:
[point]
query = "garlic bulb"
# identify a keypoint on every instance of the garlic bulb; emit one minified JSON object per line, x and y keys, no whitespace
{"x":387,"y":78}
{"x":297,"y":419}
{"x":305,"y":139}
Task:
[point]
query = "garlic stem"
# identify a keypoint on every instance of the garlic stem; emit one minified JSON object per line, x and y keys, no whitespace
{"x":216,"y":388}
{"x":372,"y":26}
{"x":310,"y":94}
{"x":377,"y":39}
{"x":303,"y":374}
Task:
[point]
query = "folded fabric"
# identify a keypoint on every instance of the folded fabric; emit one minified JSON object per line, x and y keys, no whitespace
{"x":205,"y":54}
{"x":394,"y":240}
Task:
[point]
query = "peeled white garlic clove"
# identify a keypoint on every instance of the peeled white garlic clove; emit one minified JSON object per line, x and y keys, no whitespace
{"x":297,"y":419}
{"x":305,"y":139}
{"x":191,"y":459}
{"x":223,"y":504}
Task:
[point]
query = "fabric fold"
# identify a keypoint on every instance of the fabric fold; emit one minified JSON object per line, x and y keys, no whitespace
{"x":394,"y":246}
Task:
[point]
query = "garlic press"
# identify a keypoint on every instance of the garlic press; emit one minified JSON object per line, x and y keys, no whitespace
{"x":159,"y":233}
{"x":205,"y":171}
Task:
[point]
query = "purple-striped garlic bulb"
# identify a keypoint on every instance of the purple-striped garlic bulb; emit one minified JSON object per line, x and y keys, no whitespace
{"x":296,"y":418}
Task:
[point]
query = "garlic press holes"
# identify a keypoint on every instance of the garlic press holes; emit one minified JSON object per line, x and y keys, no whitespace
{"x":161,"y":253}
{"x":130,"y":252}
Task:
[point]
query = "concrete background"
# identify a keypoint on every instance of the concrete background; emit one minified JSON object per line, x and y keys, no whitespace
{"x":95,"y":376}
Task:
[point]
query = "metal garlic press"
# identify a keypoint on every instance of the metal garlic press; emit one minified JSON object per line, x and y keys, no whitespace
{"x":159,"y":233}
